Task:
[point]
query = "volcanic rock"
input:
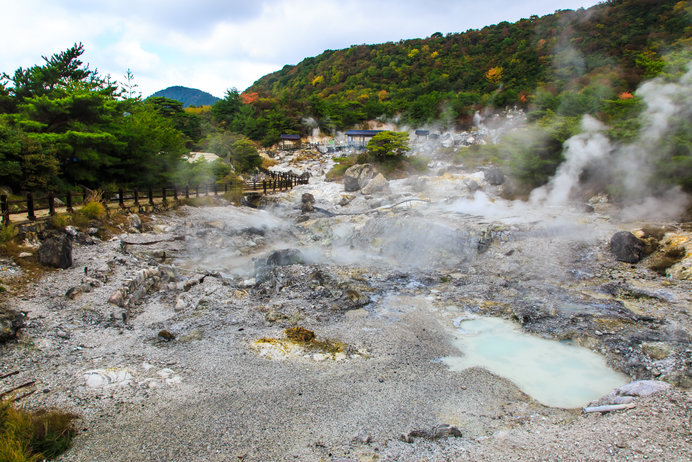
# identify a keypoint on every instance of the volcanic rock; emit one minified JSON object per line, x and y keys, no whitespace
{"x":56,"y":252}
{"x":358,"y":176}
{"x":626,"y":247}
{"x":377,"y":184}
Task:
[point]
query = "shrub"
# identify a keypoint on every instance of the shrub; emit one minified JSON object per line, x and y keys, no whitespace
{"x":60,"y":220}
{"x":7,"y":233}
{"x":93,"y":210}
{"x":33,"y":436}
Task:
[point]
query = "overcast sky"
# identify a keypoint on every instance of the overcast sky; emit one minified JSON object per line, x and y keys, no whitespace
{"x":214,"y":45}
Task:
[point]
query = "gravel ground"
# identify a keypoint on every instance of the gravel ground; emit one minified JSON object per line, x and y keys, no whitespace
{"x":176,"y":375}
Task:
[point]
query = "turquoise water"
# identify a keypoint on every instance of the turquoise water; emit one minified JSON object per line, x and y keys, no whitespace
{"x":552,"y":372}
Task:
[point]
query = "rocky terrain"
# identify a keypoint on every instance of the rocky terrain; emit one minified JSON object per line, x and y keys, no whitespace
{"x":316,"y":328}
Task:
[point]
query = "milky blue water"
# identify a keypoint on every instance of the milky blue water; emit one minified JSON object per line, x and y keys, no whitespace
{"x":554,"y":373}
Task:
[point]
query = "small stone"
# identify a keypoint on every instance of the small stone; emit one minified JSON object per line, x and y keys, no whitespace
{"x":135,"y":221}
{"x":63,"y":334}
{"x":166,"y":335}
{"x":25,"y":255}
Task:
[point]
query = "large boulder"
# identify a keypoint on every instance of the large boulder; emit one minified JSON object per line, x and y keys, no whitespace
{"x":56,"y":252}
{"x":10,"y":323}
{"x":307,"y":203}
{"x":377,"y":184}
{"x":358,"y":176}
{"x":285,"y":257}
{"x":626,"y":247}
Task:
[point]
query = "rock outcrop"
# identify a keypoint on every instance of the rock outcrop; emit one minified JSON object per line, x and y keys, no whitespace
{"x":356,"y":177}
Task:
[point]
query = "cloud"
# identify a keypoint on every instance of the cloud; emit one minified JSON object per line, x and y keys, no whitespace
{"x":231,"y":43}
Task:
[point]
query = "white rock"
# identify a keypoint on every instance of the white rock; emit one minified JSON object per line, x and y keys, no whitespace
{"x":642,"y":388}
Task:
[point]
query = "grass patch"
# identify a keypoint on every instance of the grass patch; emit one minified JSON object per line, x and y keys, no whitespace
{"x":342,"y":164}
{"x":33,"y":436}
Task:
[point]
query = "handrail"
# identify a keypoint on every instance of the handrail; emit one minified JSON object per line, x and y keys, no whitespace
{"x":34,"y":202}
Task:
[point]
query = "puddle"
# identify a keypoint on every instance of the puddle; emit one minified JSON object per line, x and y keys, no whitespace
{"x":554,"y":373}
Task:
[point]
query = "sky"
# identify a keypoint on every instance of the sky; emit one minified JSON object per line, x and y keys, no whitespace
{"x":214,"y":45}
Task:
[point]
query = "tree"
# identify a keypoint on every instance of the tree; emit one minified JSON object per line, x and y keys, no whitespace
{"x":244,"y":156}
{"x":388,"y":145}
{"x":129,"y":86}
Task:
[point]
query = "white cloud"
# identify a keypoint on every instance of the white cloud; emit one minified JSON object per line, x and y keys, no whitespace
{"x":217,"y":44}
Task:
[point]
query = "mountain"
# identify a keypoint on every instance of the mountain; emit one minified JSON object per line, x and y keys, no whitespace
{"x":188,"y":96}
{"x":566,"y":61}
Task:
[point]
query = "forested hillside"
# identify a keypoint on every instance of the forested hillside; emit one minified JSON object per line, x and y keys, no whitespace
{"x":568,"y":62}
{"x":187,"y":96}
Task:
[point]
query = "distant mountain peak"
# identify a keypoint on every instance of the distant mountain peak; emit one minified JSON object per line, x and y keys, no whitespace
{"x":187,"y":96}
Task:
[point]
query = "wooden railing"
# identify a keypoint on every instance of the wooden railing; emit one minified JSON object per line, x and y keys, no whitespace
{"x":32,"y":203}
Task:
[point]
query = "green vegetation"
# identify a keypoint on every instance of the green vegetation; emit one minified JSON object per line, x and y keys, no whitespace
{"x":568,"y":62}
{"x":62,"y":125}
{"x":33,"y":436}
{"x":388,"y":146}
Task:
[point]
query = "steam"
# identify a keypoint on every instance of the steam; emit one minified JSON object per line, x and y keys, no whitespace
{"x":629,"y":167}
{"x":581,"y":151}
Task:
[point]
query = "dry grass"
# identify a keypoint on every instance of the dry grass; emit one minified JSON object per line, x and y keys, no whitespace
{"x":33,"y":436}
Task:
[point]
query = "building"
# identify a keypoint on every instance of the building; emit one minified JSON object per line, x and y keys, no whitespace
{"x":360,"y":138}
{"x":290,"y":141}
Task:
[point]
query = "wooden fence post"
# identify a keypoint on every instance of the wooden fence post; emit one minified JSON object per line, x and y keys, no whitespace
{"x":175,"y":193}
{"x":121,"y":198}
{"x":197,"y":191}
{"x":30,"y":207}
{"x":264,"y":186}
{"x":164,"y":199}
{"x":187,"y":191}
{"x":51,"y":204}
{"x":151,"y":195}
{"x":5,"y":210}
{"x":216,"y":189}
{"x":68,"y":201}
{"x":136,"y":193}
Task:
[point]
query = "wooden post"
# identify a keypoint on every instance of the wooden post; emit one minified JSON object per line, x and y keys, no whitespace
{"x":175,"y":193}
{"x":197,"y":191}
{"x":5,"y":207}
{"x":136,"y":191}
{"x":187,"y":191}
{"x":51,"y":204}
{"x":274,"y":184}
{"x":225,"y":188}
{"x":264,"y":186}
{"x":151,"y":196}
{"x":216,"y":189}
{"x":68,"y":202}
{"x":30,"y":207}
{"x":164,"y":200}
{"x":121,"y":198}
{"x":84,"y":196}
